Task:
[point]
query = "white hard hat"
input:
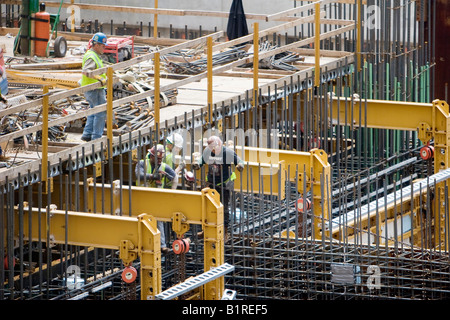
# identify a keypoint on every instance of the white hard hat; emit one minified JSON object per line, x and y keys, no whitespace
{"x":176,"y":139}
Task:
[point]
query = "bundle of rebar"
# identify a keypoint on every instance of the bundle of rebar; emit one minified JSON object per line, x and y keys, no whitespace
{"x":193,"y":66}
{"x":280,"y":61}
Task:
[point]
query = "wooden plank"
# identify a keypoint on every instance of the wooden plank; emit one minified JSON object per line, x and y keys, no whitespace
{"x":266,"y":32}
{"x":323,"y":53}
{"x":63,"y":65}
{"x":149,"y":56}
{"x":306,"y":7}
{"x":158,"y":11}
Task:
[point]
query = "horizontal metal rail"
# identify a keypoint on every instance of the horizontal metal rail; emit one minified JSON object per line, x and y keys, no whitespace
{"x":404,"y":193}
{"x":195,"y":282}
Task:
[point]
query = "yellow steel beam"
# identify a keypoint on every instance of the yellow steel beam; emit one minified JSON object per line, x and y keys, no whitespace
{"x":259,"y":177}
{"x":262,"y":178}
{"x":430,"y":120}
{"x":177,"y":206}
{"x":136,"y":234}
{"x":311,"y":170}
{"x":133,"y":236}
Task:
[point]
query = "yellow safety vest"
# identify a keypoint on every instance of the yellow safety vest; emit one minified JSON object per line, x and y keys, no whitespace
{"x":152,"y":183}
{"x":90,"y":54}
{"x":231,"y":178}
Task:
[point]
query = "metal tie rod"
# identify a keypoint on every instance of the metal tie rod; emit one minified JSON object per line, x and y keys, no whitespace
{"x":380,"y":203}
{"x":195,"y":282}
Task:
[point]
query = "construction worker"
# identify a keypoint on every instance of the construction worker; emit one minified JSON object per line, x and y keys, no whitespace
{"x":159,"y":175}
{"x":174,"y":144}
{"x":95,"y":123}
{"x":220,"y":176}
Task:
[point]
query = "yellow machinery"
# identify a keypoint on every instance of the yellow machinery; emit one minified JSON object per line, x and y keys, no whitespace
{"x":137,"y":236}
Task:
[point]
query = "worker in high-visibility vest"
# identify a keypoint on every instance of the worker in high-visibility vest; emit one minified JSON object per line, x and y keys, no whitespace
{"x":174,"y":144}
{"x":154,"y":172}
{"x":95,"y":123}
{"x":220,"y":176}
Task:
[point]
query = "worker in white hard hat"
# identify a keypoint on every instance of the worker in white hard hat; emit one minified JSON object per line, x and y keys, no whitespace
{"x":220,"y":174}
{"x":174,"y":144}
{"x":154,"y":172}
{"x":95,"y":123}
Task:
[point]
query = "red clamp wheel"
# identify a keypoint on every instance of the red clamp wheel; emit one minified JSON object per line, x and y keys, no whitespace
{"x":301,"y":207}
{"x":129,"y":274}
{"x":427,"y":152}
{"x":180,"y":246}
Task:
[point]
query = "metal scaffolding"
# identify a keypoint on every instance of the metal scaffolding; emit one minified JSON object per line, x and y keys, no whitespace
{"x":296,"y":234}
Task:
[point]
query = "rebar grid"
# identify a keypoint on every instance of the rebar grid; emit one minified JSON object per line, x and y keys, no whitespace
{"x":268,"y":270}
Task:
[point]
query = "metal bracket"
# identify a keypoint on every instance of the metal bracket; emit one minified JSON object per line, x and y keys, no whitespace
{"x":179,"y":224}
{"x":229,"y":294}
{"x":424,"y":132}
{"x":127,"y":252}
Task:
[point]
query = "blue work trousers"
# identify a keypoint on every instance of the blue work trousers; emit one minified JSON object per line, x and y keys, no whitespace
{"x":95,"y":123}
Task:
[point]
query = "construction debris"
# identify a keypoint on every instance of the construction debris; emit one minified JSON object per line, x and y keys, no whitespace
{"x":191,"y":62}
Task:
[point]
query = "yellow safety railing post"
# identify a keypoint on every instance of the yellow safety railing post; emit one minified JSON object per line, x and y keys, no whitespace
{"x":157,"y":88}
{"x":317,"y":45}
{"x":44,"y":133}
{"x":109,"y":106}
{"x":210,"y":78}
{"x":359,"y":36}
{"x":255,"y":61}
{"x":155,"y":23}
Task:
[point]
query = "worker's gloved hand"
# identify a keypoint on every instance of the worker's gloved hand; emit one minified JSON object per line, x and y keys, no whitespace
{"x":155,"y":176}
{"x":101,"y":79}
{"x":182,"y":165}
{"x":195,"y":166}
{"x":3,"y":99}
{"x":240,"y":167}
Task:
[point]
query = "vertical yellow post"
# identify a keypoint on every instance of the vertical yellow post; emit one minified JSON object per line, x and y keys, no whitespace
{"x":358,"y":39}
{"x":157,"y":87}
{"x":210,"y":77}
{"x":72,"y":17}
{"x":44,"y":133}
{"x":317,"y":45}
{"x":255,"y":61}
{"x":109,"y":106}
{"x":155,"y":23}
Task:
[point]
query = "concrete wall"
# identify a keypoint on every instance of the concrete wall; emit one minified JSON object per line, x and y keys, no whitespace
{"x":193,"y":22}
